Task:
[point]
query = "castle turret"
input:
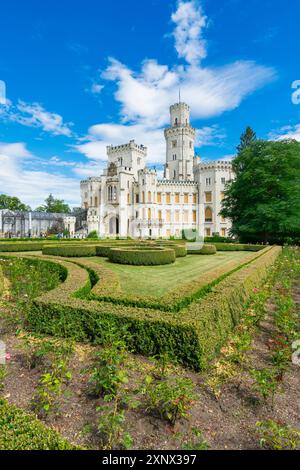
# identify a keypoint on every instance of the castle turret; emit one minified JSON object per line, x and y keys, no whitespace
{"x":180,"y":139}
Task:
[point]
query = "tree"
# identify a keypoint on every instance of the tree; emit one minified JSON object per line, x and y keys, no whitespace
{"x":54,"y":205}
{"x":263,"y":201}
{"x":12,"y":203}
{"x":246,"y":139}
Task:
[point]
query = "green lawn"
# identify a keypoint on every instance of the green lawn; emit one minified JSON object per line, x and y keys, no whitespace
{"x":158,"y":280}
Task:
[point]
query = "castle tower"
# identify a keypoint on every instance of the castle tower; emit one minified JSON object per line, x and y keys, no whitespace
{"x":180,"y":139}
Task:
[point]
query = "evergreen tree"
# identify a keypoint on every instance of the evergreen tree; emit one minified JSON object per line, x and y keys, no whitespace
{"x":246,"y":139}
{"x":263,"y":201}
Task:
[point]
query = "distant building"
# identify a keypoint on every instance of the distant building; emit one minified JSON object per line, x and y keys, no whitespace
{"x":33,"y":224}
{"x":129,"y":199}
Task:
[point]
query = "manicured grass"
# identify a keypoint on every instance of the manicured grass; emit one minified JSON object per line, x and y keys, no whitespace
{"x":158,"y":280}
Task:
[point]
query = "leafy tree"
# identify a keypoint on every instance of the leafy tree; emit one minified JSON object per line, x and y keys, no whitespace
{"x":263,"y":201}
{"x":54,"y":205}
{"x":12,"y":203}
{"x":246,"y":139}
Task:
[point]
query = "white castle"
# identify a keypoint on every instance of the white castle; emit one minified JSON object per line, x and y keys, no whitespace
{"x":129,"y":199}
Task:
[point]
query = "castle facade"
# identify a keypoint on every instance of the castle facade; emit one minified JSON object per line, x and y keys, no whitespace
{"x":129,"y":199}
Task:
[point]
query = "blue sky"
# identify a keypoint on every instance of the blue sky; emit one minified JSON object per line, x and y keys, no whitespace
{"x":81,"y":75}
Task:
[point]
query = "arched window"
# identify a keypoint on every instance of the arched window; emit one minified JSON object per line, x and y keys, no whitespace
{"x":208,"y":214}
{"x":176,"y":122}
{"x":149,"y":196}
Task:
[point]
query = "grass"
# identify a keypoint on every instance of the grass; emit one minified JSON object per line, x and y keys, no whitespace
{"x":158,"y":280}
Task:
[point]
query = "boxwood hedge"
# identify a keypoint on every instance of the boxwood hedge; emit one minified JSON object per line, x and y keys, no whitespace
{"x":146,"y":255}
{"x":180,"y":249}
{"x":22,"y":431}
{"x":192,"y":336}
{"x":237,"y":247}
{"x":17,"y":246}
{"x":69,"y":250}
{"x":205,"y":250}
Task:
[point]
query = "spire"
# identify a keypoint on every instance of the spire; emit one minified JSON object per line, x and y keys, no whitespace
{"x":179,"y":95}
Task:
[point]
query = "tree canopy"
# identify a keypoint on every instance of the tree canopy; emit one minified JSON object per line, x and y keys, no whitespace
{"x":54,"y":205}
{"x":12,"y":203}
{"x":246,"y":139}
{"x":263,"y":201}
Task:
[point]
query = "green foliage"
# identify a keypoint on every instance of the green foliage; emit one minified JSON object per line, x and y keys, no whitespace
{"x":170,"y":399}
{"x":68,"y":250}
{"x":107,"y":373}
{"x":111,"y":428}
{"x":196,"y":441}
{"x":205,"y":250}
{"x":53,"y":205}
{"x":27,"y":246}
{"x":22,"y":431}
{"x":146,"y":256}
{"x":247,"y":138}
{"x":3,"y":373}
{"x":1,"y":281}
{"x":12,"y":203}
{"x":50,"y":388}
{"x":275,"y":436}
{"x":265,"y":382}
{"x":93,"y":235}
{"x":263,"y":201}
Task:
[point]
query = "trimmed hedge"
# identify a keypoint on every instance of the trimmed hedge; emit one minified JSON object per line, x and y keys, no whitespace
{"x":1,"y":281}
{"x":70,"y":250}
{"x":192,"y":337}
{"x":237,"y":247}
{"x":142,"y":256}
{"x":205,"y":250}
{"x":180,"y":249}
{"x":22,"y":431}
{"x":26,"y":246}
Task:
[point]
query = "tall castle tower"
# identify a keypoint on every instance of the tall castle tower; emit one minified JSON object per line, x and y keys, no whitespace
{"x":180,"y":139}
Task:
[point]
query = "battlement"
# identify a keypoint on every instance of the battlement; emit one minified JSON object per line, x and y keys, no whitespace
{"x":131,"y":145}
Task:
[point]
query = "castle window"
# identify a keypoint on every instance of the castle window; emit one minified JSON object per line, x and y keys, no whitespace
{"x":177,"y":216}
{"x":222,"y":195}
{"x":143,"y":197}
{"x":223,"y":232}
{"x":186,"y":217}
{"x":159,"y":215}
{"x":186,"y":198}
{"x":91,"y":201}
{"x":177,"y":195}
{"x":208,"y":196}
{"x":128,"y":198}
{"x":207,"y":232}
{"x":194,"y":198}
{"x":174,"y":143}
{"x":223,"y":180}
{"x":208,"y":214}
{"x":159,"y":198}
{"x":174,"y":174}
{"x":176,"y":122}
{"x":208,"y":181}
{"x":168,"y":216}
{"x":191,"y":144}
{"x":96,"y":201}
{"x":137,"y":214}
{"x":149,"y":213}
{"x":149,"y":196}
{"x":168,"y":198}
{"x":194,"y":216}
{"x":137,"y":199}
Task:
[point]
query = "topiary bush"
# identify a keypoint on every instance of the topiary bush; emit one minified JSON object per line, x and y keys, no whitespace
{"x":17,"y":246}
{"x":180,"y":249}
{"x":205,"y":250}
{"x":142,"y":256}
{"x":69,"y":250}
{"x":22,"y":431}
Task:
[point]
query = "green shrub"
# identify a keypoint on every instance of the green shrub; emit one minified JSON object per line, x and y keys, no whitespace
{"x":276,"y":436}
{"x":205,"y":250}
{"x":69,"y":250}
{"x":1,"y":281}
{"x":237,"y":247}
{"x":93,"y":235}
{"x":180,"y":249}
{"x":26,"y":246}
{"x":192,"y":337}
{"x":22,"y":431}
{"x":146,"y":255}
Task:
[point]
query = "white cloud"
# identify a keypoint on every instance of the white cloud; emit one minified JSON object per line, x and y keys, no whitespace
{"x":34,"y":115}
{"x":31,"y":186}
{"x":286,"y":132}
{"x":190,"y":21}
